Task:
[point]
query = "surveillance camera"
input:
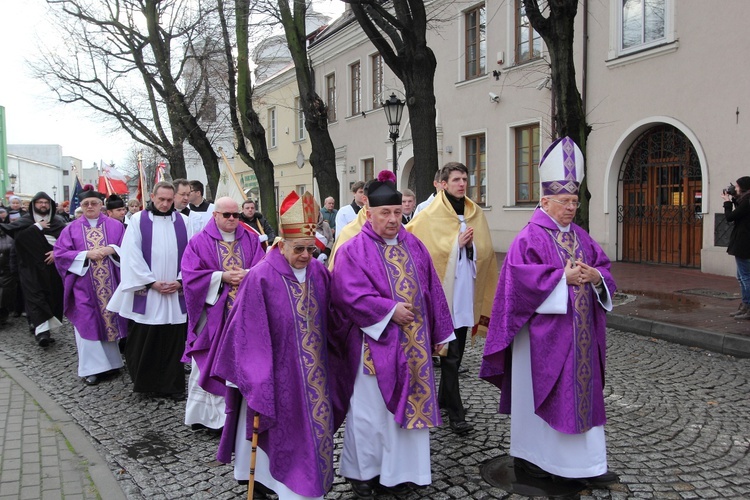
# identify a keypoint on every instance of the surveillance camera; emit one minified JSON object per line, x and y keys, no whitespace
{"x":542,"y":84}
{"x":494,"y":97}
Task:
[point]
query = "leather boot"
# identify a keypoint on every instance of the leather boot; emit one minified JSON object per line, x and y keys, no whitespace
{"x":740,"y":310}
{"x":745,"y":314}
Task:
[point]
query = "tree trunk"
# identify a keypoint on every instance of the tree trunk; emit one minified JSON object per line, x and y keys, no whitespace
{"x":179,"y":113}
{"x":245,"y":121}
{"x":323,"y":154}
{"x":558,"y":33}
{"x":418,"y":79}
{"x":414,"y":63}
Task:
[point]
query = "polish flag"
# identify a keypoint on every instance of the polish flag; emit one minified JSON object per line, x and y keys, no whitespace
{"x":111,"y":180}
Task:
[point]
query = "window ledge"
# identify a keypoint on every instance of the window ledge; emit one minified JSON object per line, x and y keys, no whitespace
{"x":519,"y":208}
{"x":642,"y":55}
{"x":464,"y":83}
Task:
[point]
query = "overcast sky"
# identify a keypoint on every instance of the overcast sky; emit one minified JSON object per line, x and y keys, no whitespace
{"x":32,"y":114}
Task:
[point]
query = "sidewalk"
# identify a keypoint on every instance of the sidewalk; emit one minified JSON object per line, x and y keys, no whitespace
{"x":680,"y":305}
{"x":43,"y":452}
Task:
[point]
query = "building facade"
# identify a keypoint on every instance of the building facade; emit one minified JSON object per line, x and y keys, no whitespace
{"x":664,"y":105}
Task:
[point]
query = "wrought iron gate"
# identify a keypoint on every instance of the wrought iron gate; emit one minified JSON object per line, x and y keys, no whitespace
{"x":659,"y":213}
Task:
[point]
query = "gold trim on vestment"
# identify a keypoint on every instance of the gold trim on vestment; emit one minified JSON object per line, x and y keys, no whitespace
{"x":311,"y":346}
{"x":102,"y":280}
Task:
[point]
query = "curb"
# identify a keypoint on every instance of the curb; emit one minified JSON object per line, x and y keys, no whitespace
{"x":101,"y":475}
{"x":724,"y":343}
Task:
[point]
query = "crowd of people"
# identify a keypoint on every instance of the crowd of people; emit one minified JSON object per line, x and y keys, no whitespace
{"x":343,"y":316}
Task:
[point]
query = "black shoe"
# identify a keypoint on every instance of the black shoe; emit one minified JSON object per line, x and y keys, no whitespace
{"x":461,"y":428}
{"x":362,"y":489}
{"x":178,"y":396}
{"x":463,"y":369}
{"x":91,"y":380}
{"x":197,"y":427}
{"x":605,"y":479}
{"x":396,"y":490}
{"x":259,"y":491}
{"x":43,"y":339}
{"x":530,"y":469}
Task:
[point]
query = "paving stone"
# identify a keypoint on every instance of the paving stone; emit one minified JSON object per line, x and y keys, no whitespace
{"x":677,"y":427}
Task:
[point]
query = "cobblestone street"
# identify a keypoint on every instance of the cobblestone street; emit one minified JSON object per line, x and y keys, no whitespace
{"x":678,"y":426}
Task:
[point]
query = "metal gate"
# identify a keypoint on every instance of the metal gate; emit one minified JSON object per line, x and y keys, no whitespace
{"x":659,"y":213}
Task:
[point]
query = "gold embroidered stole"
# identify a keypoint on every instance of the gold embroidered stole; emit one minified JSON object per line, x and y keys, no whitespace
{"x":102,"y":280}
{"x":231,"y":260}
{"x":414,"y":338}
{"x":570,"y":249}
{"x":311,"y":346}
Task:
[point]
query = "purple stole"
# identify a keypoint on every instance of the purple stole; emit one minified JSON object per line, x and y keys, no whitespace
{"x":147,"y":233}
{"x":569,"y":248}
{"x":404,"y":282}
{"x":102,"y":280}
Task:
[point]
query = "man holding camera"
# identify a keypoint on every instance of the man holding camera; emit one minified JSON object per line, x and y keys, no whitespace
{"x":737,"y":211}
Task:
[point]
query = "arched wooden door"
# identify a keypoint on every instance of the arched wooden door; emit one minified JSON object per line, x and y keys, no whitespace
{"x":660,"y":210}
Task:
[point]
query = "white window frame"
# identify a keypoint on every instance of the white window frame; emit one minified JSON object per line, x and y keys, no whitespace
{"x":272,"y":128}
{"x":463,"y":136}
{"x":511,"y":159}
{"x":300,"y":115}
{"x":645,"y":50}
{"x":350,"y":96}
{"x":463,"y":75}
{"x":332,"y":102}
{"x":376,"y":95}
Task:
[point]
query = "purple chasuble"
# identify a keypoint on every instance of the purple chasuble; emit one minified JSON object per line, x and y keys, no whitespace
{"x":568,"y":351}
{"x":205,"y":254}
{"x":86,"y":297}
{"x":368,"y":280}
{"x":275,"y":349}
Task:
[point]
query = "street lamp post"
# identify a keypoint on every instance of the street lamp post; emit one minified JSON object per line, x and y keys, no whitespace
{"x":54,"y":194}
{"x":394,"y":108}
{"x":13,"y":178}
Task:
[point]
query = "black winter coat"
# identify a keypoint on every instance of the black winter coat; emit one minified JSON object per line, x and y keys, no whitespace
{"x":739,"y":240}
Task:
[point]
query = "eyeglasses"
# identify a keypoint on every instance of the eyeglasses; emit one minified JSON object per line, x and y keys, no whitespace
{"x":91,"y":203}
{"x":227,"y":215}
{"x":574,"y":204}
{"x":299,"y":250}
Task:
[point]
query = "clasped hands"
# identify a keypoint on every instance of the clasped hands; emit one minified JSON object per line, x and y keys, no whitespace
{"x":99,"y":253}
{"x":577,"y":273}
{"x":233,"y":277}
{"x":167,"y":287}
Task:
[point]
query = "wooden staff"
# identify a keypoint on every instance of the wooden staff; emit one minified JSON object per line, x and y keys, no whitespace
{"x":253,"y":456}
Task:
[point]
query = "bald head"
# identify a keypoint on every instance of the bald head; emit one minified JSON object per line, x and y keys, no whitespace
{"x":226,"y":204}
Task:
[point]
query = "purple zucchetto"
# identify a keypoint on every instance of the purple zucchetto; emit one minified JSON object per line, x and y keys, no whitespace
{"x":561,"y":168}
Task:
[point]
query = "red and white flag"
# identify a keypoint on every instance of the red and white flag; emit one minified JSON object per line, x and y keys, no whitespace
{"x":140,"y":196}
{"x":111,"y":180}
{"x":159,"y":176}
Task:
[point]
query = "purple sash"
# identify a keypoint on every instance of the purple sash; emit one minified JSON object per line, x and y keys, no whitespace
{"x":147,"y":225}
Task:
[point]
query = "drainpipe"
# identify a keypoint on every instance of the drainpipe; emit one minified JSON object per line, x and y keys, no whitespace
{"x":585,"y":65}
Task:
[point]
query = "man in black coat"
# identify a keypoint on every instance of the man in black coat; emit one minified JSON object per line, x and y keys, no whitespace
{"x":35,"y":234}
